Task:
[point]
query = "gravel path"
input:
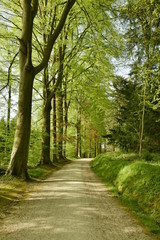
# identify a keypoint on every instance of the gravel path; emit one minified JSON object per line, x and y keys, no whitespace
{"x":72,"y":204}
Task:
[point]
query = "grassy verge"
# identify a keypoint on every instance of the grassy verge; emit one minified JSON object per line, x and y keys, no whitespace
{"x":40,"y":172}
{"x":136,"y":183}
{"x":12,"y":189}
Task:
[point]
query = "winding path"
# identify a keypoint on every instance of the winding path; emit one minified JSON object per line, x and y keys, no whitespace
{"x":72,"y":204}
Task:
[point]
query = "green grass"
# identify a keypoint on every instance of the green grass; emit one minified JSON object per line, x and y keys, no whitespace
{"x":137,"y":183}
{"x":39,"y":172}
{"x":12,"y":188}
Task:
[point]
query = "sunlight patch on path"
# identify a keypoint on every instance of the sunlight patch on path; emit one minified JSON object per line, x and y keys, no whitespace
{"x":71,"y":204}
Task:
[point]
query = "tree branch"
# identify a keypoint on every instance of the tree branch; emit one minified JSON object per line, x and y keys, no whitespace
{"x":54,"y":36}
{"x":9,"y":71}
{"x":34,"y":8}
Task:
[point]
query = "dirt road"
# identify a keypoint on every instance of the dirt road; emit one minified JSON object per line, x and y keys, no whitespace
{"x":72,"y":204}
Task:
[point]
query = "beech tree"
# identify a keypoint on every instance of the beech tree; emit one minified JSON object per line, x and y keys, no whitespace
{"x":19,"y":157}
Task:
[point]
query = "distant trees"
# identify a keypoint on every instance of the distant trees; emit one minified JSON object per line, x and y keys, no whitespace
{"x":138,"y":92}
{"x":129,"y":109}
{"x":137,"y":98}
{"x":67,"y":79}
{"x":70,"y":53}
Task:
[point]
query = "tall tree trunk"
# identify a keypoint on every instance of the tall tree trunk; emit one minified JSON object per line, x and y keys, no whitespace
{"x":100,"y":147}
{"x":60,"y":123}
{"x":147,"y":77}
{"x":9,"y":108}
{"x":90,"y":148}
{"x":45,"y":152}
{"x":20,"y":150}
{"x":142,"y":121}
{"x":7,"y":145}
{"x":78,"y":133}
{"x":10,"y":92}
{"x":78,"y":138}
{"x":65,"y":117}
{"x":60,"y":103}
{"x":84,"y":142}
{"x":19,"y":157}
{"x":54,"y":129}
{"x":95,"y":146}
{"x":105,"y":145}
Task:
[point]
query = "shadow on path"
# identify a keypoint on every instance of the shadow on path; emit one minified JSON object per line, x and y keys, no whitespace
{"x":71,"y":205}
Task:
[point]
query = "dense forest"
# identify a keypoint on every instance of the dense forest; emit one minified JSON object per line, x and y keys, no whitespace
{"x":78,"y":78}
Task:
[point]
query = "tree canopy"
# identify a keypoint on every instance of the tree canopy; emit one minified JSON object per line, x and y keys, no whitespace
{"x":60,"y":92}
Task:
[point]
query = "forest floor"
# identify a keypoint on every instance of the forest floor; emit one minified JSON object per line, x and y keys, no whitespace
{"x":71,"y":204}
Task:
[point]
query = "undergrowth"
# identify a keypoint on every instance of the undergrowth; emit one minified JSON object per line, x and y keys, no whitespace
{"x":135,"y":181}
{"x":39,"y":172}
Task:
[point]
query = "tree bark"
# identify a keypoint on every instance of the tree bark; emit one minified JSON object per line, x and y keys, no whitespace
{"x":19,"y":157}
{"x":65,"y":117}
{"x":142,"y":120}
{"x":54,"y":35}
{"x":10,"y":93}
{"x":45,"y":152}
{"x":78,"y":133}
{"x":78,"y":138}
{"x":66,"y":108}
{"x":90,"y":148}
{"x":95,"y":146}
{"x":9,"y":108}
{"x":60,"y":124}
{"x":55,"y":159}
{"x":105,"y":145}
{"x":60,"y":103}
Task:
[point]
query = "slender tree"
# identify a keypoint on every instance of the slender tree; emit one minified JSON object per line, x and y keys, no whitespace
{"x":54,"y":126}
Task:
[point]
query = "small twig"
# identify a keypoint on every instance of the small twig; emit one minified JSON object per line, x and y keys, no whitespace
{"x":9,"y":71}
